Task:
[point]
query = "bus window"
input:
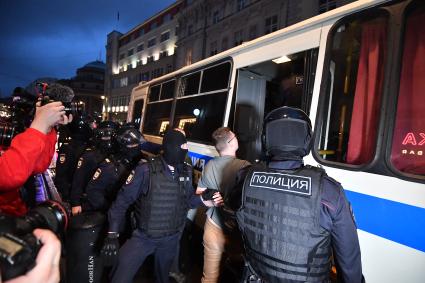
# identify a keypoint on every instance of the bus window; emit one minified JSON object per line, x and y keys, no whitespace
{"x":216,"y":78}
{"x":408,"y":145}
{"x":353,"y":90}
{"x":285,"y":88}
{"x":154,"y":93}
{"x":189,"y":84}
{"x":200,"y":115}
{"x":156,"y":114}
{"x":167,"y":90}
{"x":137,"y":112}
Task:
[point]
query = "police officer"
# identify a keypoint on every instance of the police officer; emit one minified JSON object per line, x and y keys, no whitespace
{"x":112,"y":172}
{"x":87,"y":225}
{"x":161,"y":190}
{"x":293,"y":215}
{"x":69,"y":153}
{"x":104,"y":138}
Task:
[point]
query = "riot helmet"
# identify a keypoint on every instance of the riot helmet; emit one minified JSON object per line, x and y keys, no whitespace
{"x":129,"y":142}
{"x":173,"y":152}
{"x":287,"y":134}
{"x":81,"y":127}
{"x":104,"y":135}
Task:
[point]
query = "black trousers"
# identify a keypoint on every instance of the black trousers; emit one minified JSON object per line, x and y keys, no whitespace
{"x":134,"y":252}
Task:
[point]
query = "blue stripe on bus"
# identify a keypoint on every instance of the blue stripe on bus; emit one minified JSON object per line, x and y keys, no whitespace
{"x":398,"y":222}
{"x":199,"y":160}
{"x":200,"y":156}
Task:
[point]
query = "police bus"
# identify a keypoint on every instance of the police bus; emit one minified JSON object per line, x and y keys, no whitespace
{"x":359,"y":72}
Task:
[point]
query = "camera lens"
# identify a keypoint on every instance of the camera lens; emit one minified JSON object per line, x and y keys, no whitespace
{"x":73,"y":108}
{"x":7,"y":132}
{"x":49,"y":215}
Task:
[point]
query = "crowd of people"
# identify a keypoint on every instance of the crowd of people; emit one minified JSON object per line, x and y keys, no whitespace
{"x":288,"y":221}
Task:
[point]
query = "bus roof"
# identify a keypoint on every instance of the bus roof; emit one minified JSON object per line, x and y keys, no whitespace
{"x":347,"y":9}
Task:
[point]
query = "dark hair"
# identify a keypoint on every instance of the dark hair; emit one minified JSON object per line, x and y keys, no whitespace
{"x":221,"y":137}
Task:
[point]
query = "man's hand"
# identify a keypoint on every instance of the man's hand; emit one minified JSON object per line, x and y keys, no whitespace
{"x":48,"y":116}
{"x":110,"y":249}
{"x":199,"y":190}
{"x":46,"y":269}
{"x":217,"y":200}
{"x":76,"y":210}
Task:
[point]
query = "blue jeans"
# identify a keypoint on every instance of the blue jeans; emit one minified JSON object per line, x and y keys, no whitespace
{"x":134,"y":252}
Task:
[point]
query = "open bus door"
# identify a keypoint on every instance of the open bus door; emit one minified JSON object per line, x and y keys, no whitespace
{"x":248,"y":112}
{"x":266,"y":86}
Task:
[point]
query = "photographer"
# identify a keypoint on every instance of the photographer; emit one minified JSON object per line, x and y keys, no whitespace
{"x":46,"y":269}
{"x":29,"y":153}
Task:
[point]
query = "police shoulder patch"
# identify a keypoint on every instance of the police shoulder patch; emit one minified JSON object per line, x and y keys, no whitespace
{"x":80,"y":162}
{"x":97,"y":173}
{"x":130,"y":178}
{"x":62,"y":158}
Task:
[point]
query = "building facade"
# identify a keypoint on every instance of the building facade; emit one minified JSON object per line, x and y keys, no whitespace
{"x":88,"y":86}
{"x":145,"y":52}
{"x":208,"y":27}
{"x":189,"y":31}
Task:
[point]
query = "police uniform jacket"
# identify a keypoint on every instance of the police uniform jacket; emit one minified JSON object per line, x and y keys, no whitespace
{"x":86,"y":167}
{"x":137,"y":185}
{"x":69,"y":153}
{"x":336,"y":217}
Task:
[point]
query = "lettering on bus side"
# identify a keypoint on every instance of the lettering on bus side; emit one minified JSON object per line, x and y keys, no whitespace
{"x":413,"y":139}
{"x":300,"y":185}
{"x":198,"y":163}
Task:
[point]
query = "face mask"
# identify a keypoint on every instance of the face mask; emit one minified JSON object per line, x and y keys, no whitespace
{"x":131,"y":153}
{"x":171,"y":145}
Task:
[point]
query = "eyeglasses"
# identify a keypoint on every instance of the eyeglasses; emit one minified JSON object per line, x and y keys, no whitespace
{"x":234,"y":136}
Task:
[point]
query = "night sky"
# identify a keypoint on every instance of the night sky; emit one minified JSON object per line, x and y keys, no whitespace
{"x":53,"y":38}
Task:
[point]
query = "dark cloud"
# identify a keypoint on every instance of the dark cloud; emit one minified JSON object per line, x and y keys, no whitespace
{"x":52,"y":38}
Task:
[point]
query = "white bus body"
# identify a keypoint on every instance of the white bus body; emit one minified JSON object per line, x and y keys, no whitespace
{"x":388,"y":199}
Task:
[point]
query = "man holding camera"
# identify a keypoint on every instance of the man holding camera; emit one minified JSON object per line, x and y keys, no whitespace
{"x":46,"y":269}
{"x":29,"y":153}
{"x":219,"y":174}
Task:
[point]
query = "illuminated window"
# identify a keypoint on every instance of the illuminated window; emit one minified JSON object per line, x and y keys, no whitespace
{"x":185,"y":122}
{"x":188,"y":56}
{"x":164,"y":127}
{"x":156,"y":114}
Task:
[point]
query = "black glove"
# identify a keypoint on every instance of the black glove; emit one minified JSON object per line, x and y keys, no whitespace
{"x":110,"y":249}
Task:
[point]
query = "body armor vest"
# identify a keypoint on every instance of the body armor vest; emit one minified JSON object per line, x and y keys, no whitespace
{"x":279,"y":220}
{"x":162,"y":211}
